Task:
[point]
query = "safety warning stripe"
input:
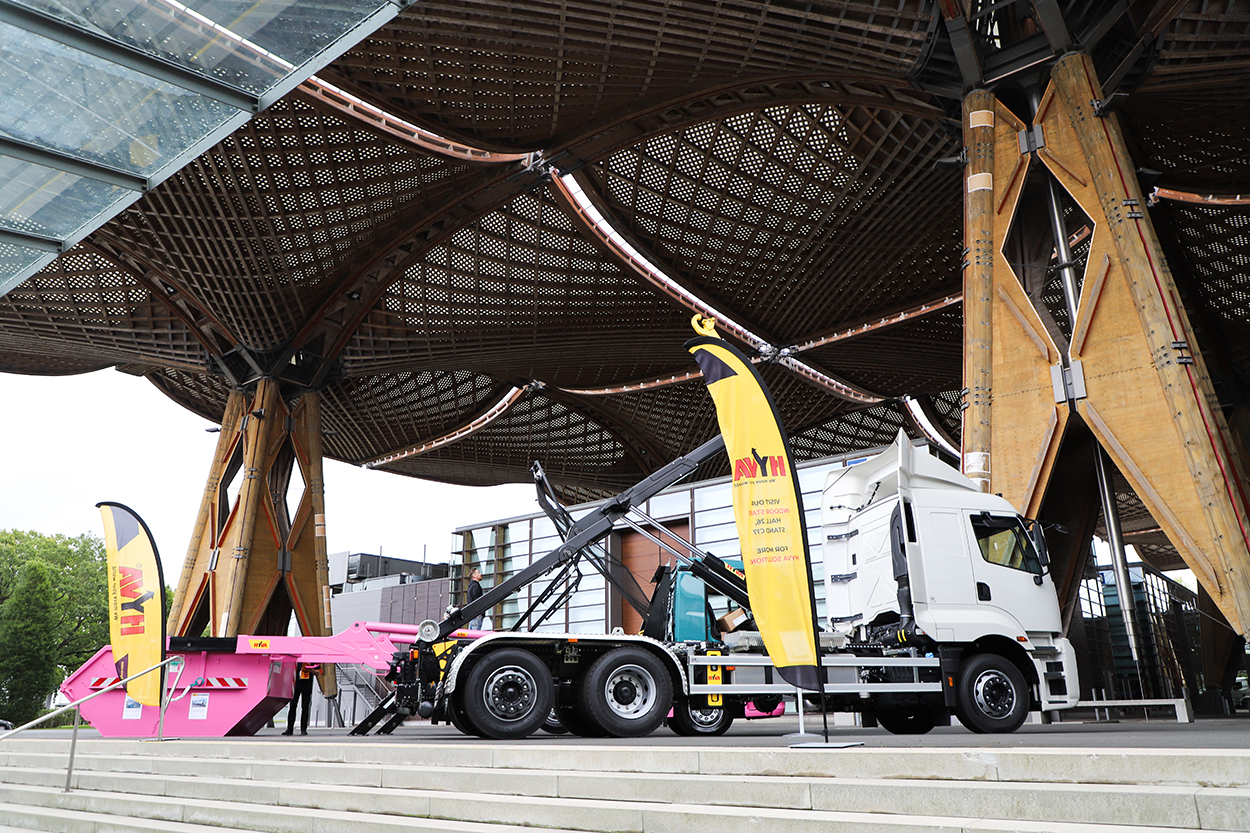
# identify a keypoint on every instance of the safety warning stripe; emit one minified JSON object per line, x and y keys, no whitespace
{"x":208,"y":682}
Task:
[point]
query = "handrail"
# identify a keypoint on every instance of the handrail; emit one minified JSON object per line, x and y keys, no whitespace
{"x":73,"y":744}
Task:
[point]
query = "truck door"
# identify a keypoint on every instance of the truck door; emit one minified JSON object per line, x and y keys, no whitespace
{"x":1009,"y":573}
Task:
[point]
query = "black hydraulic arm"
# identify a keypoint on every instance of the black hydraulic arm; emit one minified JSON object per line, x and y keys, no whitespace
{"x":586,"y":530}
{"x":721,"y":577}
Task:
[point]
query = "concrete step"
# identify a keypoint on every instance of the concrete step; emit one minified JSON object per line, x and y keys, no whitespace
{"x":261,"y":785}
{"x":111,"y":808}
{"x":363,"y":786}
{"x":26,"y":817}
{"x":1201,"y":767}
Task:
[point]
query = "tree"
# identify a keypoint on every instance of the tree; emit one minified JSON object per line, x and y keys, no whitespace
{"x":77,"y":569}
{"x":28,"y":669}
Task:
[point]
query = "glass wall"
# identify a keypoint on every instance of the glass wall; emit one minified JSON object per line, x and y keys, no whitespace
{"x":501,"y":548}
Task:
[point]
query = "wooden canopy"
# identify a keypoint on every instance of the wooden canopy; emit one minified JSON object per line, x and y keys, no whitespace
{"x":481,"y":233}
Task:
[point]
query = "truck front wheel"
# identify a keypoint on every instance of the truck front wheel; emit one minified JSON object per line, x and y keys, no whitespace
{"x":508,"y":694}
{"x":992,"y":694}
{"x":627,"y":692}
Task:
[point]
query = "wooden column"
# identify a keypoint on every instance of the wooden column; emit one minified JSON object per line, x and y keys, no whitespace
{"x":191,"y":583}
{"x":979,"y":120}
{"x":1149,"y":397}
{"x":259,"y":557}
{"x":1012,"y":426}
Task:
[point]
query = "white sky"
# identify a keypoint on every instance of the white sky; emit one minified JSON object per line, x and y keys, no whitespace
{"x":70,"y":442}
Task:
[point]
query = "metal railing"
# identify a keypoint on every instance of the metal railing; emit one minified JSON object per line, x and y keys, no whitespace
{"x":73,"y":744}
{"x":365,"y":686}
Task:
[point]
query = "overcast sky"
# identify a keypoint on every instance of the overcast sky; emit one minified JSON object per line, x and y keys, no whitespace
{"x":73,"y":441}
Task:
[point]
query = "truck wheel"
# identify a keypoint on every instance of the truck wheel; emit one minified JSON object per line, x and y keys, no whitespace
{"x":627,"y":691}
{"x":579,"y":723}
{"x":688,"y":720}
{"x":455,"y":713}
{"x":508,"y":694}
{"x":906,"y":721}
{"x":552,"y":724}
{"x":993,"y":696}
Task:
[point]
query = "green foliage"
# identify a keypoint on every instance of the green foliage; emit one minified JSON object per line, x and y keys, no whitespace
{"x":28,"y":670}
{"x":77,"y":573}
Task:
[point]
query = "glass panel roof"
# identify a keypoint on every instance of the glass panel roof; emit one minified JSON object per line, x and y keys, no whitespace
{"x":62,"y":99}
{"x":50,"y":203}
{"x":102,"y":99}
{"x":250,"y":45}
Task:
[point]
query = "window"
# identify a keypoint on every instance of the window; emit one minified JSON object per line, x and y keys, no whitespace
{"x":1003,"y":541}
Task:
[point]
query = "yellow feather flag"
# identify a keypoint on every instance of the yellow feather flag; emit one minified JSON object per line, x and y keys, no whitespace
{"x":768,"y":508}
{"x":136,"y":588}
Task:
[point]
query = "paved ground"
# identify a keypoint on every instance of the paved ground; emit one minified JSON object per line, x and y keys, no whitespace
{"x":1231,"y":732}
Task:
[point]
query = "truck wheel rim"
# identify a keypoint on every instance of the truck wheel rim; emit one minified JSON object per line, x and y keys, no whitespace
{"x":706,"y":718}
{"x":509,"y":693}
{"x":994,"y":693}
{"x":630,"y":691}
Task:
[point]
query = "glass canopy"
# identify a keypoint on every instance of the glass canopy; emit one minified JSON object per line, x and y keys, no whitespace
{"x":101,"y":100}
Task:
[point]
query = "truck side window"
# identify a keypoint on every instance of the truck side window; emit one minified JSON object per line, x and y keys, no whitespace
{"x":1003,"y":541}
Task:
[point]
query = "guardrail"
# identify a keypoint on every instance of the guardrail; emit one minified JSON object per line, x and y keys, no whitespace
{"x":1184,"y":714}
{"x":73,"y":744}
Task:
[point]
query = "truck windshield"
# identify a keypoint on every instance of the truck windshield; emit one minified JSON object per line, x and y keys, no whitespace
{"x":1004,"y":541}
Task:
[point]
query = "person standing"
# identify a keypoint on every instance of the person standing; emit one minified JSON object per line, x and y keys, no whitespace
{"x":475,"y":593}
{"x":304,"y":674}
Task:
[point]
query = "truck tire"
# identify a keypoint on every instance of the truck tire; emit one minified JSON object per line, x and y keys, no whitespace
{"x":579,"y":723}
{"x":992,"y":694}
{"x":689,"y":721}
{"x":916,"y":721}
{"x":455,"y":713}
{"x":552,"y":724}
{"x":508,"y":694}
{"x":627,"y":692}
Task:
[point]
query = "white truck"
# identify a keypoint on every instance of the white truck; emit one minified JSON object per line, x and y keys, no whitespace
{"x":937,"y":595}
{"x":915,"y":555}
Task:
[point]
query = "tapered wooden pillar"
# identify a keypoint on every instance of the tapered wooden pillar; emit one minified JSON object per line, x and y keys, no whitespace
{"x":258,"y":552}
{"x":1149,"y":397}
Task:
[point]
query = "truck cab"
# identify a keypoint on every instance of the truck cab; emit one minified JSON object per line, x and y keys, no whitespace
{"x":916,"y":556}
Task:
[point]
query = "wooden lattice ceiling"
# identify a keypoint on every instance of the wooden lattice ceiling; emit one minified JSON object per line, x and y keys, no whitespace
{"x":792,"y":164}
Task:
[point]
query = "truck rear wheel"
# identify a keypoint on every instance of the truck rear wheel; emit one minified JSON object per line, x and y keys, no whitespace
{"x":508,"y":694}
{"x":992,"y":694}
{"x":688,"y":720}
{"x":627,"y":691}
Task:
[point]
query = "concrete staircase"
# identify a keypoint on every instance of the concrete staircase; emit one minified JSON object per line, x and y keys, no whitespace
{"x":354,"y":786}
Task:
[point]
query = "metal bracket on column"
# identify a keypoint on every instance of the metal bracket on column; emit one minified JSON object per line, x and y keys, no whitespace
{"x":284,"y":561}
{"x":1031,"y":139}
{"x":1068,"y":383}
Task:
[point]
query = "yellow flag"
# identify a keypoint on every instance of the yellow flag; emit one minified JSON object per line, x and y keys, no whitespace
{"x":768,"y":508}
{"x":136,"y":588}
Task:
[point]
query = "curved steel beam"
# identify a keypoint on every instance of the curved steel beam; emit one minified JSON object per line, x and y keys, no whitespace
{"x":493,"y":413}
{"x":351,"y":108}
{"x":579,"y":206}
{"x":644,"y":453}
{"x":349,"y":301}
{"x":1196,"y":198}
